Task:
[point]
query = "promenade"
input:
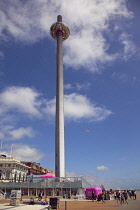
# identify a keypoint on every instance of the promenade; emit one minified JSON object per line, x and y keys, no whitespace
{"x":132,"y":205}
{"x":70,"y":205}
{"x":78,"y":205}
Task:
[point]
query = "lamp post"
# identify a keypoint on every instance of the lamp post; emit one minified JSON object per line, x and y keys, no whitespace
{"x":60,"y":32}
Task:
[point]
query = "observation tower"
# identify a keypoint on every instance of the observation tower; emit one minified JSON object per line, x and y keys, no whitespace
{"x":60,"y":32}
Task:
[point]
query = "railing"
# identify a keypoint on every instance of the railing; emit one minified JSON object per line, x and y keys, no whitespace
{"x":40,"y":185}
{"x":51,"y":183}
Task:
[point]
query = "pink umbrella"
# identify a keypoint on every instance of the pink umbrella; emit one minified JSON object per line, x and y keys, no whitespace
{"x":48,"y":175}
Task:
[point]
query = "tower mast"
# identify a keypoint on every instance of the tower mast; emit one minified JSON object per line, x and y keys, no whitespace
{"x":60,"y":32}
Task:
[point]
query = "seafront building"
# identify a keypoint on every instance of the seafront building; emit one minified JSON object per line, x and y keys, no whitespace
{"x":35,"y":168}
{"x":26,"y":176}
{"x":12,"y":170}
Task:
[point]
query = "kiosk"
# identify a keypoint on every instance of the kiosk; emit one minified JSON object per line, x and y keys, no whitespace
{"x":96,"y":190}
{"x":15,"y":197}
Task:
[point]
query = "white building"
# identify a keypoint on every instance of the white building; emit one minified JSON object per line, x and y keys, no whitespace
{"x":12,"y":170}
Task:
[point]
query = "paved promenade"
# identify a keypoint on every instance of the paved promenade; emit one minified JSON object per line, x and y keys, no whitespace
{"x":78,"y":205}
{"x":132,"y":205}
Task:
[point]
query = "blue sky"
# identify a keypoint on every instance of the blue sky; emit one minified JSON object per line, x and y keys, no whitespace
{"x":101,"y":79}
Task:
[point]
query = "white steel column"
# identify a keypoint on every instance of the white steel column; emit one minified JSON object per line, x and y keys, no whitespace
{"x":60,"y":32}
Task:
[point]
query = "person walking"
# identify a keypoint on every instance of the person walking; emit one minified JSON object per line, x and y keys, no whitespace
{"x":135,"y":195}
{"x":125,"y":197}
{"x":118,"y":196}
{"x":103,"y":198}
{"x":92,"y":196}
{"x":132,"y":193}
{"x":121,"y":198}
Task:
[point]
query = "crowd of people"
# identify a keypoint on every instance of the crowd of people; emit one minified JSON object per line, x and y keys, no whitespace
{"x":120,"y":196}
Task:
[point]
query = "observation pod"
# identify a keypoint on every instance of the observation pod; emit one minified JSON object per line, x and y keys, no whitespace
{"x":59,"y":26}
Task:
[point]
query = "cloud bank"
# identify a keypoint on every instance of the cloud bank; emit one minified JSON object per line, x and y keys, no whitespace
{"x":24,"y":152}
{"x":24,"y":102}
{"x":9,"y":132}
{"x":78,"y":107}
{"x":93,"y":28}
{"x":21,"y":99}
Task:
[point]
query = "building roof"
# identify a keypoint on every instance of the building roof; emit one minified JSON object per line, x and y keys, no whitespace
{"x":11,"y":160}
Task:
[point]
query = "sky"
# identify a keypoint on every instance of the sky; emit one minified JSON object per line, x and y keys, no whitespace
{"x":101,"y":87}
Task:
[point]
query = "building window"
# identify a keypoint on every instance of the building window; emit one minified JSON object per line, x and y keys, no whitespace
{"x":7,"y":174}
{"x":19,"y":179}
{"x":15,"y":177}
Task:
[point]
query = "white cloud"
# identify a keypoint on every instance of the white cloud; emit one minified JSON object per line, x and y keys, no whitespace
{"x":27,"y":153}
{"x":21,"y":132}
{"x":84,"y":86}
{"x":29,"y":21}
{"x":11,"y":133}
{"x":17,"y":103}
{"x":24,"y":152}
{"x":125,"y":78}
{"x":102,"y":168}
{"x":21,"y":20}
{"x":20,"y":99}
{"x":77,"y":107}
{"x":77,"y":86}
{"x":68,"y":86}
{"x":50,"y":107}
{"x":23,"y":102}
{"x":129,"y":46}
{"x":121,"y":77}
{"x":87,"y":52}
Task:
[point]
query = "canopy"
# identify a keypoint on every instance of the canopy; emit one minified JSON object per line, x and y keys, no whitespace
{"x":48,"y":175}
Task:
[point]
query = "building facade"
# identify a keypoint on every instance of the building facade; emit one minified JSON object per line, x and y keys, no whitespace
{"x":12,"y":170}
{"x":35,"y":168}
